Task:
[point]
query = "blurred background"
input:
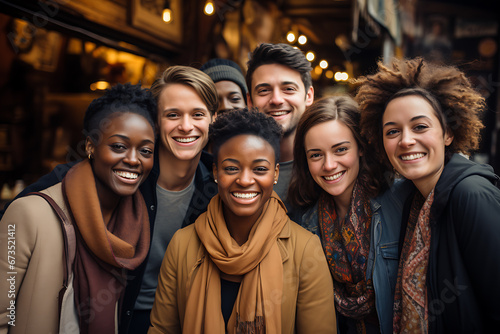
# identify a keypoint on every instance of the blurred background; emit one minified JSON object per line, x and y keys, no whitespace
{"x":58,"y":55}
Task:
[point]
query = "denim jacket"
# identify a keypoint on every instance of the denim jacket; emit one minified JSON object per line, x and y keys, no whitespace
{"x":383,"y":259}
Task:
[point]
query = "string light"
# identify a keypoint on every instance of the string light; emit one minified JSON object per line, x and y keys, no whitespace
{"x":323,"y":64}
{"x":290,"y":37}
{"x":209,"y":8}
{"x":167,"y":12}
{"x":302,"y":39}
{"x":310,"y":56}
{"x":341,"y":76}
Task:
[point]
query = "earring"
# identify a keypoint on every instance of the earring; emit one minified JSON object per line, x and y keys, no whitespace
{"x":215,"y":180}
{"x":275,"y":182}
{"x":90,"y":156}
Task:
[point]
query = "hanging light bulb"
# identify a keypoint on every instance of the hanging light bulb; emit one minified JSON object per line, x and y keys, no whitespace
{"x":302,"y":39}
{"x":310,"y":56}
{"x":209,"y":8}
{"x":290,"y":37}
{"x":167,"y":12}
{"x":323,"y":64}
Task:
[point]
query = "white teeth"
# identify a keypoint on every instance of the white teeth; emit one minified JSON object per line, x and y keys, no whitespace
{"x":279,"y":113}
{"x":333,"y":177}
{"x":186,"y":140}
{"x":412,"y":156}
{"x":127,"y":175}
{"x":245,"y":195}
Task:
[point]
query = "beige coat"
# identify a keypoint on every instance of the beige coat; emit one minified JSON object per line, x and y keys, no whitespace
{"x":307,"y":302}
{"x":37,"y":274}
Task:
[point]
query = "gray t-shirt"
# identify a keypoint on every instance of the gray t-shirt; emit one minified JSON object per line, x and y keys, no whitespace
{"x":281,"y":187}
{"x":172,"y":207}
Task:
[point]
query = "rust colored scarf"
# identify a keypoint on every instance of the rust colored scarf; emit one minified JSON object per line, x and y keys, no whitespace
{"x":346,"y":243}
{"x":410,"y":299}
{"x":258,"y":305}
{"x":103,"y":253}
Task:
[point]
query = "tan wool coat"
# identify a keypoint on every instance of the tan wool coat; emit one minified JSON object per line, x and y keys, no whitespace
{"x":307,"y":301}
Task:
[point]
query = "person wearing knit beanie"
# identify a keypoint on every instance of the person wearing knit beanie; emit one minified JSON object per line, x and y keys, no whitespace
{"x":229,"y":81}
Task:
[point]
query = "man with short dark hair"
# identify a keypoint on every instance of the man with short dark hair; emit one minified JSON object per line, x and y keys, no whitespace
{"x":280,"y":85}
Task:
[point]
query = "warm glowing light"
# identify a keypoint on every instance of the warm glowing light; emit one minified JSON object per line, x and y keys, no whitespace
{"x":310,"y":56}
{"x":209,"y":8}
{"x":318,"y":70}
{"x":99,"y":85}
{"x":302,"y":39}
{"x":329,"y":74}
{"x":290,"y":37}
{"x":323,"y":64}
{"x":167,"y":15}
{"x":341,"y":76}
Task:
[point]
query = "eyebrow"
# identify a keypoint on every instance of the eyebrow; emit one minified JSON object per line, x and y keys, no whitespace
{"x":127,"y":138}
{"x":333,"y":146}
{"x":237,"y":161}
{"x":411,"y":120}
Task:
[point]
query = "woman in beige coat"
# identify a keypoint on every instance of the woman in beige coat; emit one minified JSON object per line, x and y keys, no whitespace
{"x":244,"y":267}
{"x":110,"y":226}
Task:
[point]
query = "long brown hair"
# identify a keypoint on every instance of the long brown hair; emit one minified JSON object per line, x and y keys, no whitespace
{"x":303,"y":190}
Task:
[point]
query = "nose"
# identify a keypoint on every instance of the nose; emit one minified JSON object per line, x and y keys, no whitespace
{"x":186,"y":124}
{"x":406,"y":139}
{"x":330,"y":163}
{"x":277,"y":97}
{"x":224,"y":104}
{"x":246,"y":179}
{"x":132,"y":158}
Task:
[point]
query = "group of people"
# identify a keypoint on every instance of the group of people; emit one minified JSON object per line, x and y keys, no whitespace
{"x":218,"y":203}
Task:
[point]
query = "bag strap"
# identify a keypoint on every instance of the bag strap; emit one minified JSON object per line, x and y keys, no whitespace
{"x":69,"y":238}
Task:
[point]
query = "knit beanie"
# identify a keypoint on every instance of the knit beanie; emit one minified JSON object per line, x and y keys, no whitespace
{"x":224,"y":69}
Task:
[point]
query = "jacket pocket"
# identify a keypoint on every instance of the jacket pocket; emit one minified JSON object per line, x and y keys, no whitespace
{"x":390,"y":254}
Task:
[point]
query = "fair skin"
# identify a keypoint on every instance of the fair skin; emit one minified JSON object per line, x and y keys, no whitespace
{"x":415,"y":141}
{"x":333,"y":160}
{"x":123,"y":158}
{"x":278,"y":91}
{"x":246,"y":170}
{"x":230,"y":96}
{"x":183,"y":120}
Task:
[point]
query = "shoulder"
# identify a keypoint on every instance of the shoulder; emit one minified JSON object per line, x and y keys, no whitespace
{"x":302,"y":240}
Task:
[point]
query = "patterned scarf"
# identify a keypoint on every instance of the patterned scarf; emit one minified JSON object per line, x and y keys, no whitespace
{"x":410,"y":300}
{"x":346,"y":243}
{"x":103,"y":252}
{"x":257,"y":308}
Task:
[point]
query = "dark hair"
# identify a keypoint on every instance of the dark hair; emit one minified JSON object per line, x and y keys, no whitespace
{"x":283,"y":54}
{"x":191,"y":77}
{"x":119,"y":98}
{"x":303,"y":190}
{"x":219,"y":69}
{"x":456,"y":104}
{"x":244,"y":121}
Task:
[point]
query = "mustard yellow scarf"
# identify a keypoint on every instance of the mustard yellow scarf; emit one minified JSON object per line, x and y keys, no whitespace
{"x":258,"y":305}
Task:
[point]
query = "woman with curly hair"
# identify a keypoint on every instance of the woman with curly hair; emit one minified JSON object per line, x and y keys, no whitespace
{"x":61,"y":281}
{"x":419,"y":117}
{"x":338,"y":199}
{"x":243,"y":266}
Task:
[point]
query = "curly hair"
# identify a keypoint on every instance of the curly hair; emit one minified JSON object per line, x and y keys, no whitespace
{"x":446,"y":88}
{"x":283,"y":54}
{"x":303,"y":190}
{"x":192,"y":77}
{"x":245,"y":121}
{"x":119,"y":98}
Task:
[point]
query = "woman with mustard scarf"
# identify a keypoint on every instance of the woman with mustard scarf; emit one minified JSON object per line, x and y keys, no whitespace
{"x":108,"y":217}
{"x":244,"y":267}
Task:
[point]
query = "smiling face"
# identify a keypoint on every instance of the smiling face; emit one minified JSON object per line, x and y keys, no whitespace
{"x":123,"y":158}
{"x":333,"y":158}
{"x":245,"y":172}
{"x":414,"y":141}
{"x":279,"y":92}
{"x":230,"y":96}
{"x":183,"y":120}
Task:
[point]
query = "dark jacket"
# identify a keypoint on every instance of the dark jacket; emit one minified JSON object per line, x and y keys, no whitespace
{"x":464,"y":267}
{"x":205,"y":189}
